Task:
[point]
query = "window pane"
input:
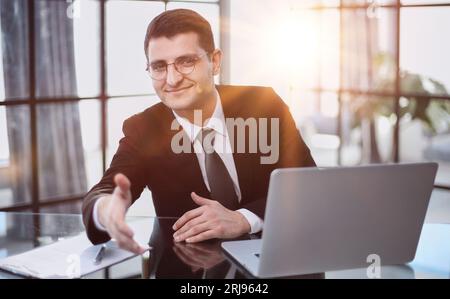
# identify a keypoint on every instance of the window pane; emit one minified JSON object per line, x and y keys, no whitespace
{"x":423,"y":1}
{"x":369,"y":50}
{"x":246,"y":43}
{"x":316,"y":116}
{"x":90,"y":132}
{"x":86,"y":28}
{"x":296,"y":47}
{"x":62,"y":57}
{"x":68,"y":150}
{"x":366,"y":2}
{"x":126,"y":60}
{"x":15,"y":156}
{"x":14,"y":63}
{"x":367,"y":129}
{"x":48,"y":227}
{"x":118,"y":111}
{"x":316,"y":3}
{"x":422,"y":32}
{"x":66,"y":49}
{"x":4,"y":144}
{"x":329,"y":50}
{"x":425,"y":134}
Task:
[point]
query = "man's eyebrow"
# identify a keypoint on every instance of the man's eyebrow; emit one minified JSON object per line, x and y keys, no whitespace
{"x":182,"y":56}
{"x":158,"y":61}
{"x":187,"y":55}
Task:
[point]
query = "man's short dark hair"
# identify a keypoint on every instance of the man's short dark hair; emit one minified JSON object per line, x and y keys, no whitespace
{"x":176,"y":21}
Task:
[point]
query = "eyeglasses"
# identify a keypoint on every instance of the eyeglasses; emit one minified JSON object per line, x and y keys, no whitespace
{"x":184,"y":65}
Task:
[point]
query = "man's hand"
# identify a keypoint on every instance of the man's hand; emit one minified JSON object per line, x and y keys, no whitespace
{"x":111,"y":213}
{"x":210,"y":220}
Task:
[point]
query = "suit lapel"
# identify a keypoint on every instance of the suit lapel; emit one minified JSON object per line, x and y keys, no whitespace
{"x":187,"y":170}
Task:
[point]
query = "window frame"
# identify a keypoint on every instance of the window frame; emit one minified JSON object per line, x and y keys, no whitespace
{"x":33,"y":101}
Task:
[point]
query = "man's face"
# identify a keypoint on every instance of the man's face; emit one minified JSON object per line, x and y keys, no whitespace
{"x":184,"y":91}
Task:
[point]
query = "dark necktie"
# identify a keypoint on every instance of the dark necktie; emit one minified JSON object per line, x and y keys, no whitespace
{"x":220,"y":182}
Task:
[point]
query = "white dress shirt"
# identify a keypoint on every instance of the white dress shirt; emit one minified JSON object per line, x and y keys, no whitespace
{"x":222,"y":146}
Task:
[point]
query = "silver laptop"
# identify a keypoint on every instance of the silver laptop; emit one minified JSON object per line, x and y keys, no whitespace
{"x":320,"y":220}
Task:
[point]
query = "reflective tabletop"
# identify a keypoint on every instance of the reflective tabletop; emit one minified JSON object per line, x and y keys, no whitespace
{"x":20,"y":232}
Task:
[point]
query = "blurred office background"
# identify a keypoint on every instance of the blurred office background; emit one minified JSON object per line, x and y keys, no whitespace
{"x":366,"y":81}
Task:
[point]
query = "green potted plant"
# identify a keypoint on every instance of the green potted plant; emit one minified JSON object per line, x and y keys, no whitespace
{"x":432,"y":112}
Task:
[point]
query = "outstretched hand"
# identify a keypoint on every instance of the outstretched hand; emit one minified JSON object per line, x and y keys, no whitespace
{"x":111,"y":212}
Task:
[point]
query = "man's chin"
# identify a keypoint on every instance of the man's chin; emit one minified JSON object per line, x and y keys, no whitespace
{"x":178,"y":104}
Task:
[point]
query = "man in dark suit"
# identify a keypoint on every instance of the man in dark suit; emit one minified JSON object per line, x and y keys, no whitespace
{"x":206,"y":152}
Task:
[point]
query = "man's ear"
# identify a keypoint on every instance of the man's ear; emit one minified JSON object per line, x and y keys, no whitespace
{"x":216,"y":59}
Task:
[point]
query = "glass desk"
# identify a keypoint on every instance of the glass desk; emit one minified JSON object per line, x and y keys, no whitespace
{"x":20,"y":232}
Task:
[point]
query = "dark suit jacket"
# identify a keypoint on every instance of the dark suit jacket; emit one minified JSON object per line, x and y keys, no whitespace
{"x":146,"y":158}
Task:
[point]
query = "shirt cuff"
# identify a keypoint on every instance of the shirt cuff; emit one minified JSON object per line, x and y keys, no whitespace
{"x":256,"y":223}
{"x":97,"y":223}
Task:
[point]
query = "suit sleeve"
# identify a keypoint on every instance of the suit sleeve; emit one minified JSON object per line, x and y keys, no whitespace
{"x":129,"y":161}
{"x":293,"y":152}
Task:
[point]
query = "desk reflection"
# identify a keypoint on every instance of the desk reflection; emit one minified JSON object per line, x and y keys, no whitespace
{"x":169,"y":259}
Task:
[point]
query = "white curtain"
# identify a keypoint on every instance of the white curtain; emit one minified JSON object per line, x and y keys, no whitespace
{"x":60,"y":151}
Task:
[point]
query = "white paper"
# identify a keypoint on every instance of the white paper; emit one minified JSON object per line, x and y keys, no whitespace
{"x":74,"y":257}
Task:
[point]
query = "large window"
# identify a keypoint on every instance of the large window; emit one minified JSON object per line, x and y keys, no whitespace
{"x":366,"y":81}
{"x":70,"y":73}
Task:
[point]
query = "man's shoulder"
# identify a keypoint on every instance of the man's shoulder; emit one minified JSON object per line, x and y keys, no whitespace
{"x":149,"y":119}
{"x":251,"y":99}
{"x":247,"y":93}
{"x":153,"y":113}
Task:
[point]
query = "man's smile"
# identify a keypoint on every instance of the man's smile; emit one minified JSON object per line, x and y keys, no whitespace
{"x":177,"y":90}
